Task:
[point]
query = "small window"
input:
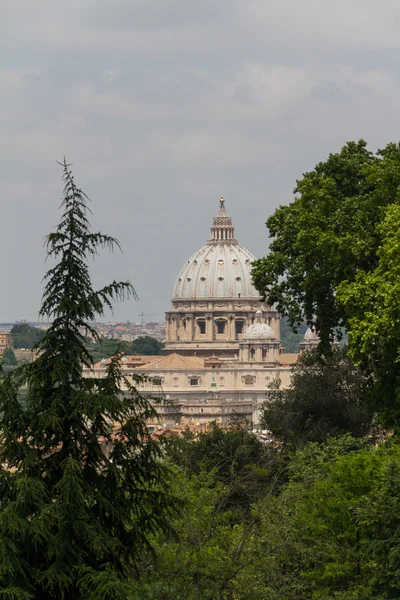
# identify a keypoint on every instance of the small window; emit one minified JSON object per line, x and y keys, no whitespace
{"x":220,"y":326}
{"x":157,"y":381}
{"x":194,"y":381}
{"x":252,"y":353}
{"x":238,"y":278}
{"x":202,"y":327}
{"x":202,"y":278}
{"x":220,"y":278}
{"x":239,"y":327}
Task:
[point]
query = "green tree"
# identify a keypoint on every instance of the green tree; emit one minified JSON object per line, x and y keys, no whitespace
{"x":105,"y":348}
{"x":74,"y":516}
{"x":9,"y":358}
{"x":239,"y":460}
{"x":328,"y":396}
{"x":318,"y":548}
{"x":372,"y":303}
{"x":207,"y":555}
{"x":147,"y":346}
{"x":291,"y":340}
{"x":26,"y":336}
{"x":327,"y":234}
{"x":333,"y":261}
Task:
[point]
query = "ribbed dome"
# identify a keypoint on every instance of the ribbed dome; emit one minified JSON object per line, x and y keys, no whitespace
{"x":259,"y":330}
{"x":220,"y":269}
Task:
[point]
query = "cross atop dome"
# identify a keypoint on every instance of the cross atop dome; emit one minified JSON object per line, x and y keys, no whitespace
{"x":222,"y":229}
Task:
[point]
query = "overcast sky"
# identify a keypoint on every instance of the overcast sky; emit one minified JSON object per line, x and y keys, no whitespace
{"x":165,"y":105}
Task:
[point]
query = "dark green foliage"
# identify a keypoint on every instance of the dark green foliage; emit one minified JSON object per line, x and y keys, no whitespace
{"x":147,"y":346}
{"x":105,"y":348}
{"x":327,"y":233}
{"x":240,"y":461}
{"x":26,"y":336}
{"x":9,"y":358}
{"x":334,"y":261}
{"x":290,"y":339}
{"x":74,"y":517}
{"x":327,"y":397}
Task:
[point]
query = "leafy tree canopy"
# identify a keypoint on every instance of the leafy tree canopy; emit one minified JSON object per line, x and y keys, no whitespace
{"x":9,"y":358}
{"x":333,"y":260}
{"x":147,"y":346}
{"x":239,"y":460}
{"x":329,"y":232}
{"x":78,"y":503}
{"x":328,"y":396}
{"x":26,"y":336}
{"x":105,"y":348}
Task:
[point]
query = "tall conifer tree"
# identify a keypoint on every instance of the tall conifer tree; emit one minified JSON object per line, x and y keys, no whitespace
{"x":73,"y":517}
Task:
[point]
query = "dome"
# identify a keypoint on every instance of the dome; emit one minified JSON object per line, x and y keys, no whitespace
{"x":311,"y":335}
{"x":259,"y":330}
{"x":220,"y":269}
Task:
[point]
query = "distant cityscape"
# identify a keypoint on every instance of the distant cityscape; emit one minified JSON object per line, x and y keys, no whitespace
{"x":126,"y":331}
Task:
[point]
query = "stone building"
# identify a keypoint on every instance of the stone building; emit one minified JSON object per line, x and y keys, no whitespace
{"x":223,"y":350}
{"x":214,"y":300}
{"x":6,"y":341}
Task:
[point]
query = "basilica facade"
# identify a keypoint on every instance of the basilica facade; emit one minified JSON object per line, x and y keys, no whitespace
{"x":222,"y":351}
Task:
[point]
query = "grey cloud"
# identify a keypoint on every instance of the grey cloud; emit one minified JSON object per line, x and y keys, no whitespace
{"x":163,"y":106}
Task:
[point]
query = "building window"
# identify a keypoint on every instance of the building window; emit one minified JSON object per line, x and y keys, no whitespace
{"x":157,"y":380}
{"x":252,"y":353}
{"x":239,"y":327}
{"x":220,"y":326}
{"x":194,"y":381}
{"x":202,"y":327}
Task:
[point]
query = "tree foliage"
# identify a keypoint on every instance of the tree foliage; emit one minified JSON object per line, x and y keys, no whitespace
{"x":328,"y":233}
{"x":146,"y":345}
{"x":9,"y":358}
{"x":239,"y":461}
{"x":105,"y":348}
{"x":328,"y":396}
{"x":333,"y":259}
{"x":25,"y":335}
{"x":77,"y":502}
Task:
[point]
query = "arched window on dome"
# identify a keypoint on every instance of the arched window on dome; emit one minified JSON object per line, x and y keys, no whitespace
{"x":201,"y":324}
{"x":264,"y":353}
{"x":252,"y":354}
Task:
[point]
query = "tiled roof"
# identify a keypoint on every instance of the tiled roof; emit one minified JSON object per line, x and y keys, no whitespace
{"x":288,"y":359}
{"x":127,"y":362}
